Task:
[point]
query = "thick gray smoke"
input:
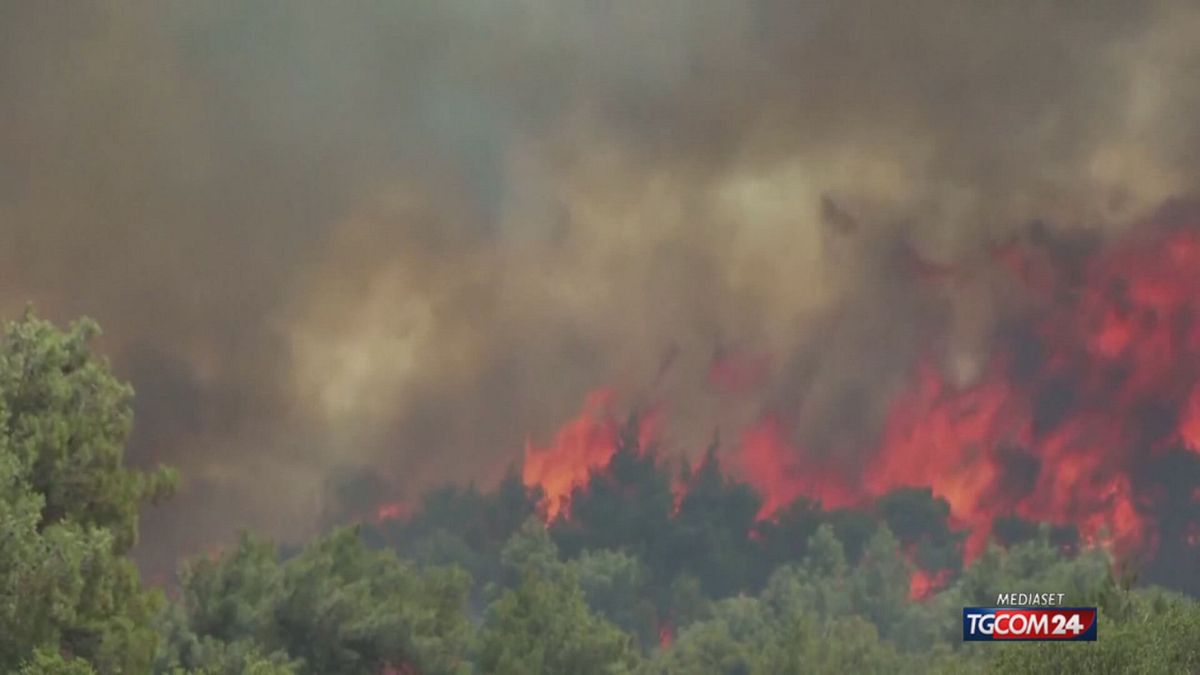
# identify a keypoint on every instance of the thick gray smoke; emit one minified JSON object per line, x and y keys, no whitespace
{"x":395,"y":238}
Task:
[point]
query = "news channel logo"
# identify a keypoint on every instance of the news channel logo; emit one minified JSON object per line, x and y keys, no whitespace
{"x":1012,"y":620}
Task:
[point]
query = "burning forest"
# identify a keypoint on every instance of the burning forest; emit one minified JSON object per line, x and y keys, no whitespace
{"x":1085,"y":416}
{"x":690,"y":325}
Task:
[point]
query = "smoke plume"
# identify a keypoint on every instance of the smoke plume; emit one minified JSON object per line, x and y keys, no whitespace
{"x":351,"y":244}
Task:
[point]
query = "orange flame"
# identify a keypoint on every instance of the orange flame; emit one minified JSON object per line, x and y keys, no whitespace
{"x":1125,"y":341}
{"x":923,"y":584}
{"x":782,"y":472}
{"x":1058,"y":428}
{"x":583,"y":445}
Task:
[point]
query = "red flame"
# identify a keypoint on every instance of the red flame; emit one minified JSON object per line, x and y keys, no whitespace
{"x":393,"y":511}
{"x":923,"y":584}
{"x":781,"y":472}
{"x":1098,"y":381}
{"x":1124,"y":341}
{"x":1189,"y":426}
{"x":666,"y":634}
{"x":581,"y":446}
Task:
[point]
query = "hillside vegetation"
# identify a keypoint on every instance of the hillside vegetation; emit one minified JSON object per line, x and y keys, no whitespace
{"x":477,"y":582}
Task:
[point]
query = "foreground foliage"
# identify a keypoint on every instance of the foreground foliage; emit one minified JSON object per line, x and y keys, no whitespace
{"x":476,"y":583}
{"x":69,"y":509}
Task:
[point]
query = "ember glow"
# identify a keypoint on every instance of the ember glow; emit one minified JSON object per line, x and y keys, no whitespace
{"x":666,"y":635}
{"x":922,"y":583}
{"x":393,"y":511}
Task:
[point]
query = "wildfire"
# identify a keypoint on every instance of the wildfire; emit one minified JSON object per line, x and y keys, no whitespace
{"x":782,"y":472}
{"x":393,"y":511}
{"x":1060,"y":439}
{"x":666,"y":634}
{"x":581,"y":446}
{"x":1189,"y":426}
{"x":922,"y":584}
{"x":1066,"y":421}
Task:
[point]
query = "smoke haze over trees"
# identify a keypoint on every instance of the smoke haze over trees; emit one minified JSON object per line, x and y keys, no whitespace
{"x":627,"y":583}
{"x":394,"y":240}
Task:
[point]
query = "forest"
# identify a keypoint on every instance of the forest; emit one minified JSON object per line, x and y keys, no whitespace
{"x":632,"y":580}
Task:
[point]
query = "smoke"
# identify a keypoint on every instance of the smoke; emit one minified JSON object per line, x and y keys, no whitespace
{"x":333,"y":242}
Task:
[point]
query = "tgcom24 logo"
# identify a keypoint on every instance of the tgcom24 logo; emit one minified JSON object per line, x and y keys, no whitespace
{"x":1030,"y":617}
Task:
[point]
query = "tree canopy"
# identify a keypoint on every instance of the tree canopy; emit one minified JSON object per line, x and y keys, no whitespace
{"x":69,"y":507}
{"x":635,"y":581}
